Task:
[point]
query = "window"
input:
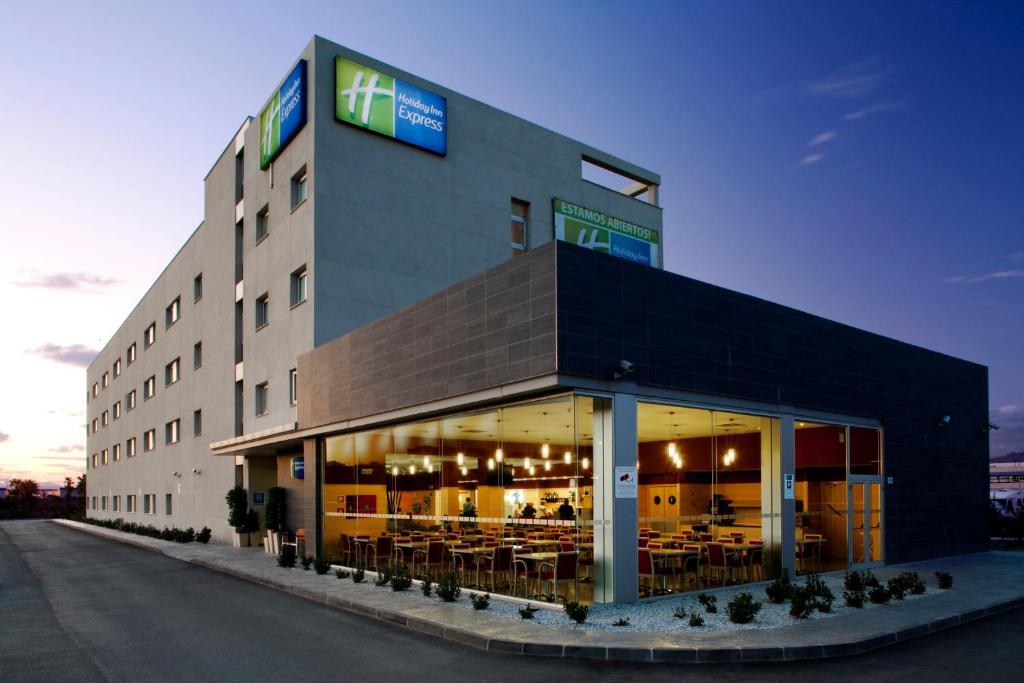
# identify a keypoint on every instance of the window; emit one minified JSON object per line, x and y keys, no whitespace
{"x":106,"y":380}
{"x":262,"y":397}
{"x":104,"y":457}
{"x":103,"y":502}
{"x":129,"y":503}
{"x":197,"y":422}
{"x":172,"y":372}
{"x":262,"y":311}
{"x":149,"y":388}
{"x":115,"y":503}
{"x":95,"y":425}
{"x":117,"y":452}
{"x":95,"y":389}
{"x":129,"y":399}
{"x":131,"y":353}
{"x":117,"y":409}
{"x":117,"y":368}
{"x":197,"y":287}
{"x":173,"y":312}
{"x":149,"y":337}
{"x":167,"y":503}
{"x":293,"y":386}
{"x":95,"y":460}
{"x":130,"y":447}
{"x":92,"y":502}
{"x":298,"y":288}
{"x":520,"y":222}
{"x":263,"y":223}
{"x":172,"y":432}
{"x":149,"y":440}
{"x":149,"y":504}
{"x":106,"y":418}
{"x":299,"y":188}
{"x":197,"y":355}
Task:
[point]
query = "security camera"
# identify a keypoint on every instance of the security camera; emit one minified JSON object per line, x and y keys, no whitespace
{"x":195,"y":470}
{"x":625,"y":368}
{"x":991,"y":426}
{"x":176,"y":474}
{"x":944,"y":420}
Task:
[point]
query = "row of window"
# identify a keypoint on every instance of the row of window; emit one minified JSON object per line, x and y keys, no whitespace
{"x":172,"y":373}
{"x":297,"y":295}
{"x":148,"y":503}
{"x":262,"y":394}
{"x":172,"y":435}
{"x":171,"y":315}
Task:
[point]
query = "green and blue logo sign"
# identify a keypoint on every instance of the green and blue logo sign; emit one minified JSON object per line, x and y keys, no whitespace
{"x":387,"y":105}
{"x":284,"y":116}
{"x":606,"y":234}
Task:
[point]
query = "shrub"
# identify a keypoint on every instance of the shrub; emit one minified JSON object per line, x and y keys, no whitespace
{"x":252,"y":521}
{"x":853,"y":582}
{"x":917,"y":586}
{"x":427,"y":586}
{"x":204,"y":535}
{"x":307,"y":561}
{"x":879,"y":595}
{"x":480,"y":601}
{"x":696,"y":620}
{"x":854,"y":598}
{"x":869,"y":580}
{"x":945,"y":580}
{"x":359,"y":575}
{"x":287,"y":557}
{"x":680,"y":612}
{"x":802,"y":603}
{"x":400,"y":579}
{"x":743,"y":608}
{"x":708,"y":602}
{"x":237,"y":507}
{"x":341,"y":574}
{"x":527,"y":612}
{"x":896,"y":587}
{"x":779,"y":590}
{"x":621,"y":622}
{"x":576,"y":611}
{"x":448,"y":587}
{"x":322,"y":564}
{"x":383,"y":575}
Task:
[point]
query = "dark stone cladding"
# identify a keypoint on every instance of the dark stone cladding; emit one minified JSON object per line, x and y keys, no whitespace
{"x":491,"y":329}
{"x":689,"y":335}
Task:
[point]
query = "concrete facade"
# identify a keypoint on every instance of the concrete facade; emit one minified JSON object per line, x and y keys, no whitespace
{"x":384,"y":225}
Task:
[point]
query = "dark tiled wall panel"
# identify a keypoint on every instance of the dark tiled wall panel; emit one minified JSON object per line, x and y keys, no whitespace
{"x":689,"y":335}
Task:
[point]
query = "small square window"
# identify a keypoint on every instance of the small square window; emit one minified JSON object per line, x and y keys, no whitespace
{"x":293,"y":386}
{"x":117,"y":368}
{"x":197,"y":355}
{"x":173,"y":312}
{"x":299,"y":188}
{"x":263,"y":223}
{"x":262,"y":398}
{"x":130,"y":447}
{"x":197,"y":287}
{"x":149,"y":388}
{"x":520,"y":217}
{"x":149,"y":337}
{"x":197,"y":422}
{"x":172,"y":372}
{"x":131,"y":353}
{"x":298,"y":286}
{"x":149,"y":440}
{"x":262,"y":311}
{"x":172,"y":432}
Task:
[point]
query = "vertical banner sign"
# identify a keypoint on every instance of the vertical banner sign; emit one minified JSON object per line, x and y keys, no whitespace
{"x":299,"y":467}
{"x":284,"y":115}
{"x":606,"y":234}
{"x":389,"y":106}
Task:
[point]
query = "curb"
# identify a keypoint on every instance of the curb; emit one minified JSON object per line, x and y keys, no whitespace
{"x":612,"y":653}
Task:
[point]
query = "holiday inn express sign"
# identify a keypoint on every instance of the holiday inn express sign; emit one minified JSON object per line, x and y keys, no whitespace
{"x":284,"y":115}
{"x":606,"y":234}
{"x":370,"y":99}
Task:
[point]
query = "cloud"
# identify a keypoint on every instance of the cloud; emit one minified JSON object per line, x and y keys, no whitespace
{"x":1009,"y":438}
{"x":822,"y":138}
{"x":997,"y":275}
{"x":851,"y":82}
{"x":4,"y":436}
{"x":1009,"y":410}
{"x":876,"y":108}
{"x":811,"y":159}
{"x":68,"y":449}
{"x":78,"y":355}
{"x":1019,"y":256}
{"x":67,"y":281}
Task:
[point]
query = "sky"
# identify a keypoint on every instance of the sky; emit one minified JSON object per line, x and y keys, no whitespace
{"x":860,"y":161}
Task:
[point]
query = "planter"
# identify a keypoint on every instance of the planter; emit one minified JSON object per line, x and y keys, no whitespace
{"x":255,"y":538}
{"x":273,"y":542}
{"x":240,"y":539}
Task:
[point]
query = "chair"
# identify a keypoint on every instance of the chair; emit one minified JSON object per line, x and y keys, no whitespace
{"x":642,"y":542}
{"x":379,"y":551}
{"x":521,"y":569}
{"x":815,"y":552}
{"x":431,"y":559}
{"x":755,"y":558}
{"x":648,"y":569}
{"x":706,"y":538}
{"x":346,"y":550}
{"x":459,"y":561}
{"x":721,"y":562}
{"x":500,"y":562}
{"x":691,"y":563}
{"x":562,"y":572}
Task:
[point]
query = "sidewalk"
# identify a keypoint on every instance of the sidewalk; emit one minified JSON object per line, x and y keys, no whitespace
{"x":983,"y":584}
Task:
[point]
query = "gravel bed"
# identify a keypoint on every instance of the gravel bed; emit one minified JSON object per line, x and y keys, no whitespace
{"x":657,"y":614}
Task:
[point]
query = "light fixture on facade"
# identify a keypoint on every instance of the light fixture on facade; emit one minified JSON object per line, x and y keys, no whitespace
{"x":460,"y":459}
{"x":567,"y":457}
{"x":545,"y":451}
{"x":499,"y":455}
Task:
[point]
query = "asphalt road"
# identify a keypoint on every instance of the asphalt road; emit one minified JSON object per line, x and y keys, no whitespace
{"x":77,"y":607}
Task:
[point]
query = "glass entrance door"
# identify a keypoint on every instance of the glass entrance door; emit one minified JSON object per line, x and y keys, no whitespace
{"x":865,"y":532}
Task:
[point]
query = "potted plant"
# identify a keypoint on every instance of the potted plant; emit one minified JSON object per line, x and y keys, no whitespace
{"x":238,"y":507}
{"x":252,"y":525}
{"x":275,"y":514}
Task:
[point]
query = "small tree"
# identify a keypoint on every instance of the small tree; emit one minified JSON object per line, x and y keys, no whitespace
{"x":276,"y":510}
{"x":238,"y":508}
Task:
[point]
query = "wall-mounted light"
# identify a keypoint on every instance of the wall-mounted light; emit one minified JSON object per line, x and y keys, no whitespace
{"x":196,"y":470}
{"x":176,"y":474}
